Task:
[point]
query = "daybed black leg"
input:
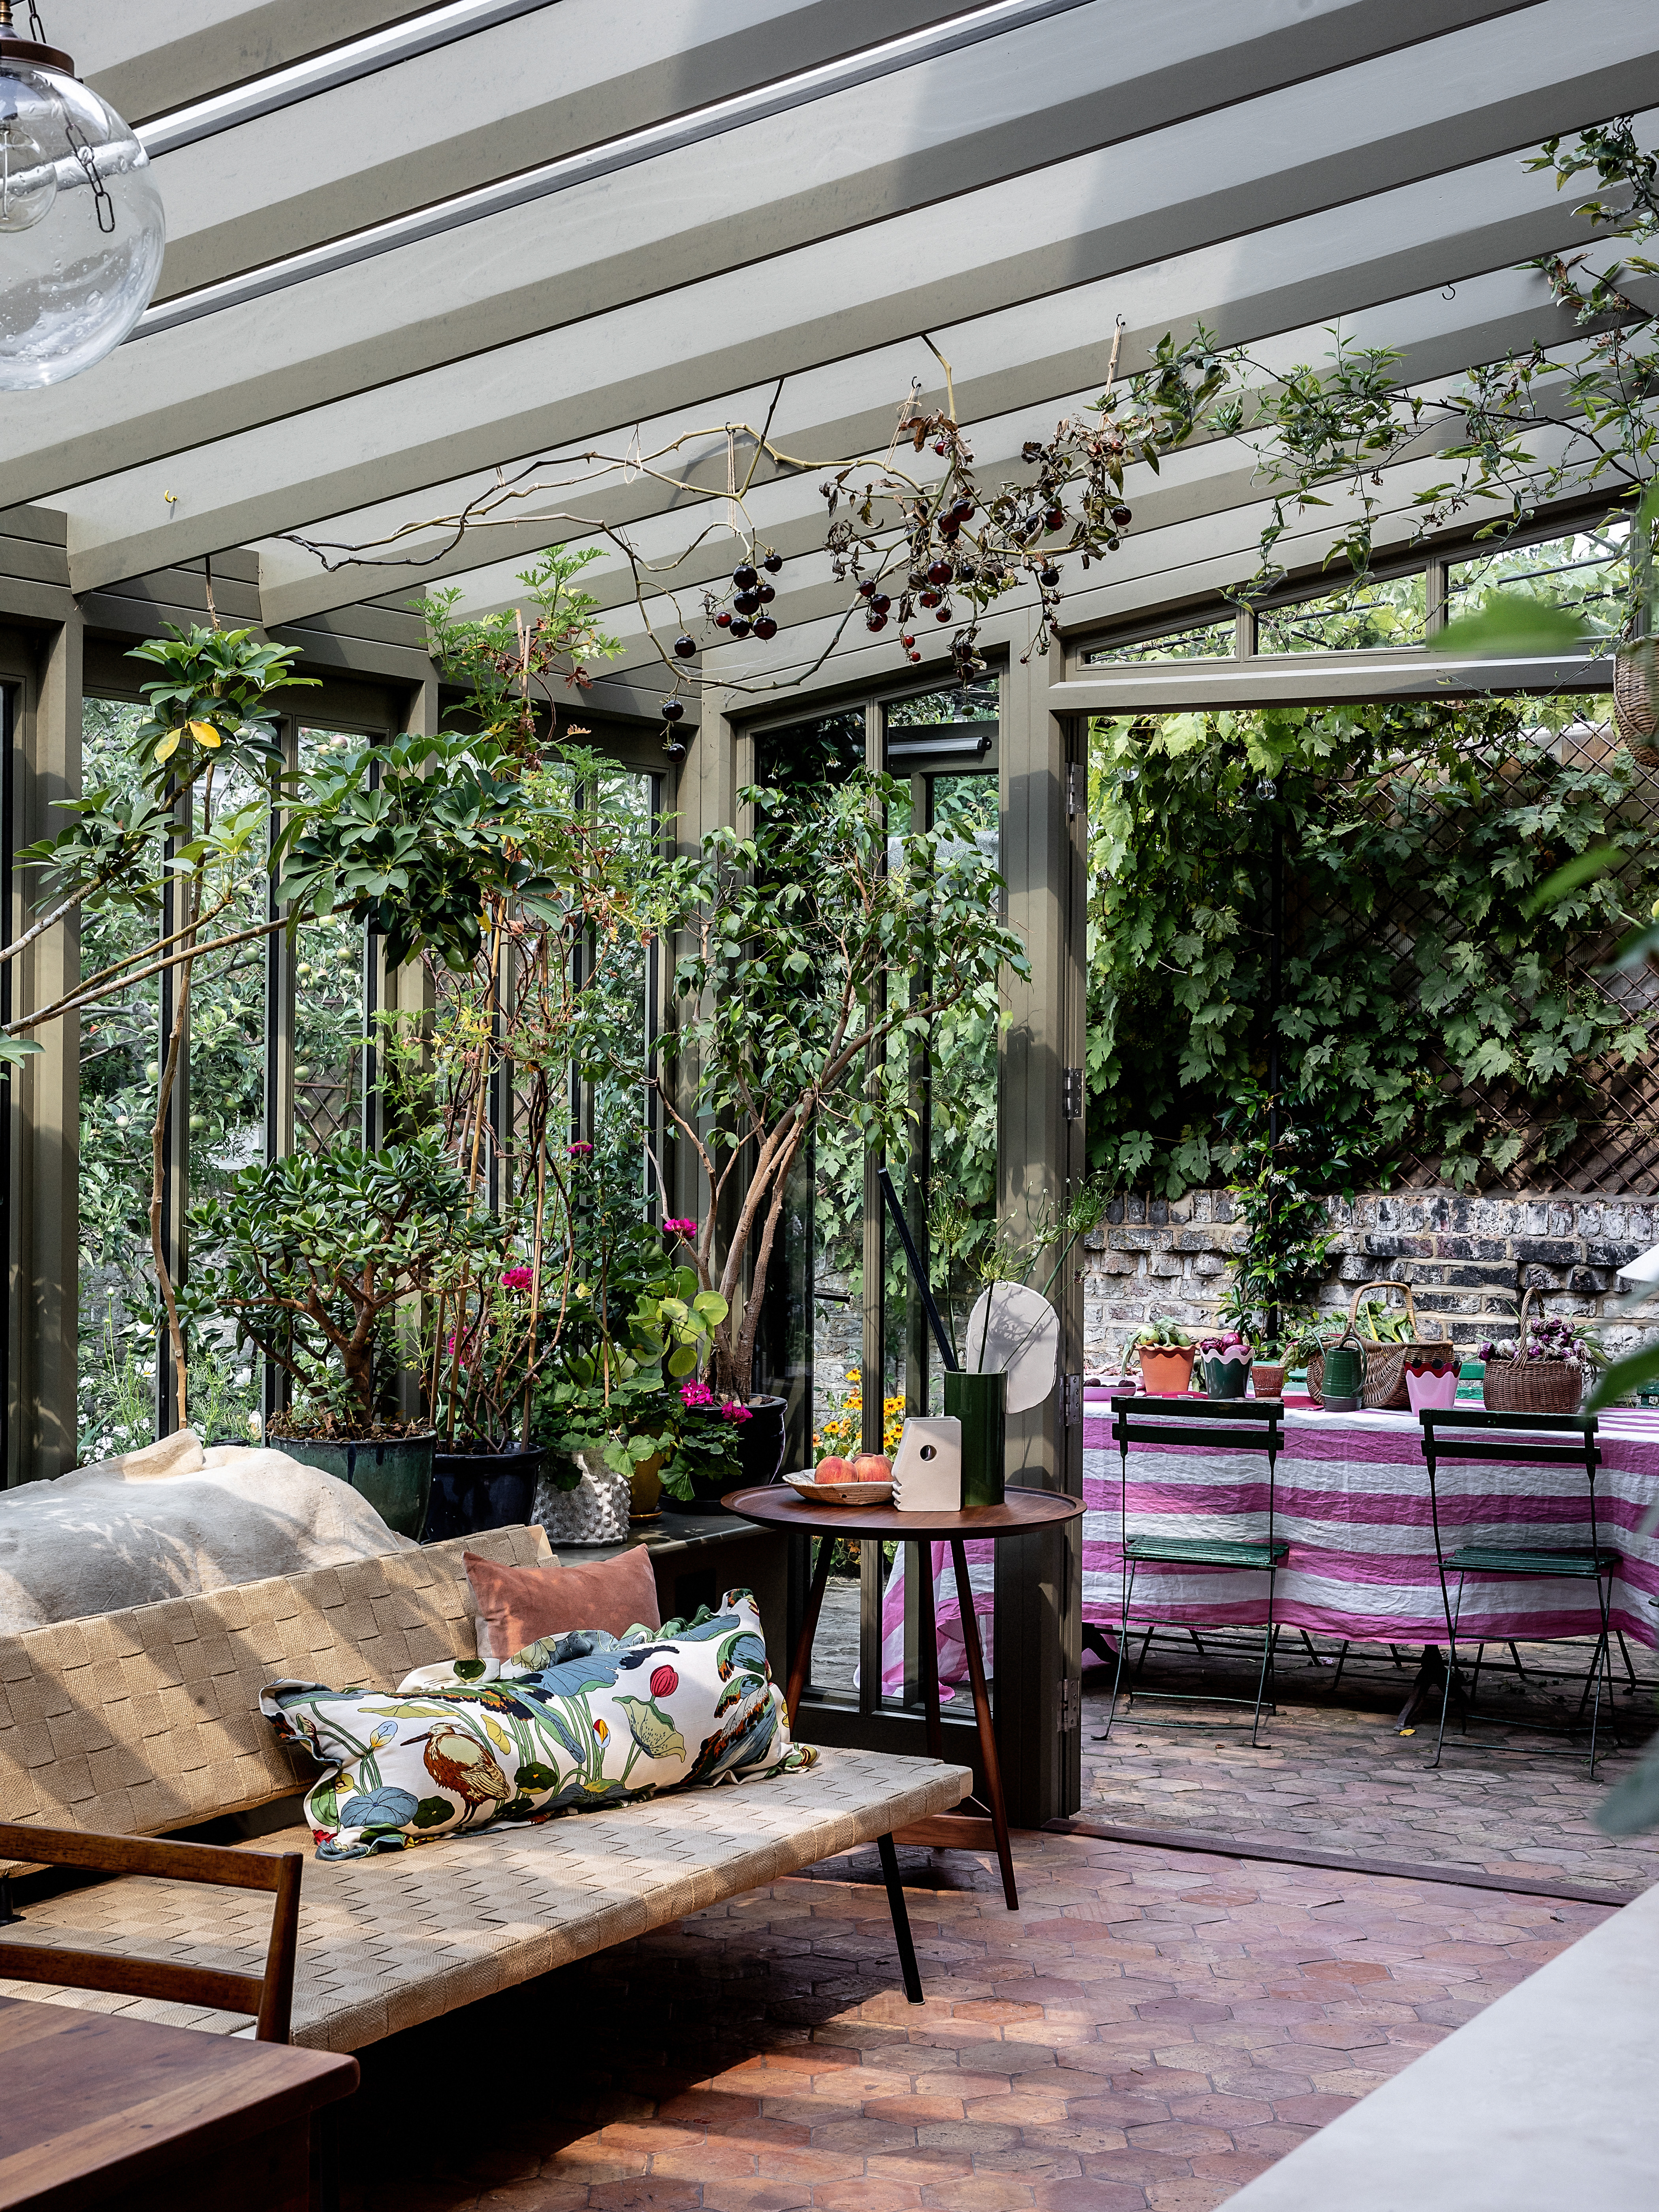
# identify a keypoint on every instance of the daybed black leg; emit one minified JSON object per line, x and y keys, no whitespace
{"x":907,"y":1949}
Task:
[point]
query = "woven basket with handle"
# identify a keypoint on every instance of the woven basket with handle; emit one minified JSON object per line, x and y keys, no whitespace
{"x":1385,"y":1364}
{"x":1532,"y":1386}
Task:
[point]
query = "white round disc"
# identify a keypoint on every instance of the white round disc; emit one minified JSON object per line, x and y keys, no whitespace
{"x":1015,"y":1331}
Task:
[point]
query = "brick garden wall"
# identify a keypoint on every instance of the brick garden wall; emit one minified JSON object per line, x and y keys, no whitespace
{"x":1467,"y":1260}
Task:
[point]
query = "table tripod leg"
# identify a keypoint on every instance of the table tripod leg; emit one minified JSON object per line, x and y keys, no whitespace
{"x":929,"y":1648}
{"x":803,"y":1659}
{"x":988,"y":1734}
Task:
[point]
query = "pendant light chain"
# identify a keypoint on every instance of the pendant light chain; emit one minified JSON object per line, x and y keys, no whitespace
{"x":78,"y":146}
{"x":84,"y":154}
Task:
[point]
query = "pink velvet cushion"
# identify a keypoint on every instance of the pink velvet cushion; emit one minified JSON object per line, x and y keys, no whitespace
{"x":521,"y":1604}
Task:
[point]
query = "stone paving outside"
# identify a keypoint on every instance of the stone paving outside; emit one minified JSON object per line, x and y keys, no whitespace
{"x":1152,"y":2029}
{"x":1341,"y":1777}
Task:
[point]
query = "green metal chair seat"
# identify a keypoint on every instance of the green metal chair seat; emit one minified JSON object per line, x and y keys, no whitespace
{"x":1204,"y":1551}
{"x":1494,"y":1559}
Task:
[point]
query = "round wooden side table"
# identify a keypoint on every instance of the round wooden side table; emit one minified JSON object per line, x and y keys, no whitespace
{"x":1020,"y":1514}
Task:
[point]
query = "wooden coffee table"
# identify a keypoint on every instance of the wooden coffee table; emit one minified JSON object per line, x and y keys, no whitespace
{"x":1021,"y":1513}
{"x":98,"y":2109}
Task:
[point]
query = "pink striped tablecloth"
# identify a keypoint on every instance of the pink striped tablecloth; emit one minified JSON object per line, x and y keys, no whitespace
{"x":1352,"y":1501}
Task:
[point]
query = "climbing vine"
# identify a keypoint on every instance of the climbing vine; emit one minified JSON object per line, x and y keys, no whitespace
{"x":1426,"y":1008}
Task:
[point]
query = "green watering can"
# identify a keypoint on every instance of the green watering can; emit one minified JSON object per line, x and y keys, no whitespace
{"x":1343,"y":1388}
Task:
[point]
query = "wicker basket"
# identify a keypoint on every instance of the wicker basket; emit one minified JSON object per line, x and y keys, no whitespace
{"x":1636,"y":700}
{"x":1385,"y":1364}
{"x":1532,"y":1386}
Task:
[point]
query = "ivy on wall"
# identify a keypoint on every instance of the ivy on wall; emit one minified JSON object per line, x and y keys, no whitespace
{"x":1426,"y":1010}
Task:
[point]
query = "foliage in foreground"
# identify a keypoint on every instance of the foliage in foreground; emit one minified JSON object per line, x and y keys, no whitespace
{"x":1429,"y":1004}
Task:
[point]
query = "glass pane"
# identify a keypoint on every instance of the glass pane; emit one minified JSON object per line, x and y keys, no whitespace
{"x":329,"y":1010}
{"x":810,"y":1348}
{"x":1216,"y":641}
{"x":1383,"y":613}
{"x":119,"y":1070}
{"x":623,"y":1130}
{"x":227,"y":1106}
{"x":971,"y":703}
{"x":1587,"y":572}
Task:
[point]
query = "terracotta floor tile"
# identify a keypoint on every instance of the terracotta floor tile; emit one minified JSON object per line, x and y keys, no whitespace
{"x":1154,"y":2027}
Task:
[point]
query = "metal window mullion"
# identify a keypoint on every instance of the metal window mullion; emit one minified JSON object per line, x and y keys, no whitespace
{"x":175,"y":1136}
{"x":873,"y":1386}
{"x":279,"y":1040}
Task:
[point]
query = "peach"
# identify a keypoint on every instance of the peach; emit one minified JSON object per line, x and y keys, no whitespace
{"x":872,"y":1466}
{"x":834,"y":1470}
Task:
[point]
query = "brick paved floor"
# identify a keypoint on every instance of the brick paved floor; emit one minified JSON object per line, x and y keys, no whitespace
{"x":1341,"y":1777}
{"x":1152,"y":2029}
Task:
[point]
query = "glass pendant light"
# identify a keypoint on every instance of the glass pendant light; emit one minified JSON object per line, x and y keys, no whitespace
{"x":82,"y":230}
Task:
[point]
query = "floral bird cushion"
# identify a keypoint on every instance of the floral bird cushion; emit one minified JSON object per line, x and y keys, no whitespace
{"x":571,"y":1723}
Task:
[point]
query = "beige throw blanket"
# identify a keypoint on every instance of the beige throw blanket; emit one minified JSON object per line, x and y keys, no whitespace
{"x":171,"y":1521}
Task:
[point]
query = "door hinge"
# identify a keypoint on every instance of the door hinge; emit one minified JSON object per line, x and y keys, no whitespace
{"x":1073,"y":790}
{"x":1071,"y":1705}
{"x":1071,"y":1093}
{"x":1074,"y":1401}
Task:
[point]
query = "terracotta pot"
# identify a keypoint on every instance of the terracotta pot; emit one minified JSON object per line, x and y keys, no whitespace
{"x":1167,"y":1370}
{"x":1269,"y":1380}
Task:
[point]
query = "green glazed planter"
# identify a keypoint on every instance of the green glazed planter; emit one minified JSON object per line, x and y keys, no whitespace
{"x":394,"y":1475}
{"x":1225,"y":1378}
{"x":979,"y":1402}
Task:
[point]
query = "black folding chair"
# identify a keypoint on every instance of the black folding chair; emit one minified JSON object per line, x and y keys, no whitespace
{"x":1511,"y":1440}
{"x":1252,"y":1426}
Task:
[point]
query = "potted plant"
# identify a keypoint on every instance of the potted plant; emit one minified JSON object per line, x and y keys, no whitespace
{"x":809,"y":943}
{"x":1166,"y":1353}
{"x":312,"y":1256}
{"x":1223,"y":1363}
{"x":1544,"y":1368}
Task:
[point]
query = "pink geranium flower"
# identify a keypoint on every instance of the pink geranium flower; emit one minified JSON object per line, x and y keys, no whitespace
{"x":695,"y":1393}
{"x":518,"y":1278}
{"x":679,"y":1229}
{"x":733,"y":1412}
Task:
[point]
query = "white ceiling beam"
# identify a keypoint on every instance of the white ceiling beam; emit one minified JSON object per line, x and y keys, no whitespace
{"x":651,"y":231}
{"x":1296,"y":276}
{"x":540,"y":86}
{"x":789,"y":514}
{"x":146,"y":59}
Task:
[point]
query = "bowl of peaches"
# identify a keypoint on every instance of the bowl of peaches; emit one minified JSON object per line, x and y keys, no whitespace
{"x":865,"y":1480}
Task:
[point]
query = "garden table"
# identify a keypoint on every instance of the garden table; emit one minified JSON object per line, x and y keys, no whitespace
{"x":978,"y":1528}
{"x":1352,"y":1499}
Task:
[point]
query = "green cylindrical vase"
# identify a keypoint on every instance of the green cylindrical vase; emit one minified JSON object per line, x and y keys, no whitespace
{"x":979,"y":1403}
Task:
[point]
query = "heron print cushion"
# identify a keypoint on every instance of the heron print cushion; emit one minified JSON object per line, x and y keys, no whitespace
{"x":572,"y":1723}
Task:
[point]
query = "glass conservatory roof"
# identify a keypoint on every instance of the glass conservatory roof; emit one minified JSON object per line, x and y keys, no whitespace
{"x":420,"y":254}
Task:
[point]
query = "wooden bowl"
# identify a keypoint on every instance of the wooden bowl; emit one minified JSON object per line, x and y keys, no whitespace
{"x":839,"y":1493}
